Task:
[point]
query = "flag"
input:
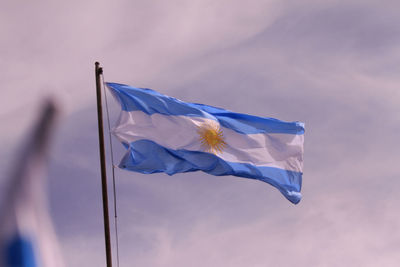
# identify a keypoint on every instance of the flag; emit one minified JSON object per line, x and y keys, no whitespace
{"x":164,"y":134}
{"x":26,"y":234}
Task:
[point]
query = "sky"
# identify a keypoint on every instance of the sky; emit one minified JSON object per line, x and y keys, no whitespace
{"x":333,"y":65}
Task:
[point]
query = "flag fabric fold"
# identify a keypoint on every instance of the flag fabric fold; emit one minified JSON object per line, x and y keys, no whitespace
{"x":164,"y":134}
{"x":27,"y":238}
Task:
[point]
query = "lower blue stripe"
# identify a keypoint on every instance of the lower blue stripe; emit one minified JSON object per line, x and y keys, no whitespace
{"x":19,"y":253}
{"x":146,"y":157}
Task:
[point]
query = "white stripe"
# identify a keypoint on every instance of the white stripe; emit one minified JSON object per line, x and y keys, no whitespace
{"x":180,"y":132}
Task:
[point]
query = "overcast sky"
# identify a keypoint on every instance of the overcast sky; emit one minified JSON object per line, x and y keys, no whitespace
{"x":332,"y":64}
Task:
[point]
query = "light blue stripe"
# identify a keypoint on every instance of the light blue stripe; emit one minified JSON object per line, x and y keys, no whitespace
{"x":146,"y":157}
{"x":150,"y":102}
{"x":20,"y":253}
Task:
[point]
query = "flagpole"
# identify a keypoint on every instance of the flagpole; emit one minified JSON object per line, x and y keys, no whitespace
{"x":98,"y":72}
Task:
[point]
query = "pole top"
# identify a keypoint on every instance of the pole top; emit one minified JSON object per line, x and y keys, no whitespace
{"x":99,"y":70}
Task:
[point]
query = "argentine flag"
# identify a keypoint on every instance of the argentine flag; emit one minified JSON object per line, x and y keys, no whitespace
{"x":27,"y":238}
{"x":164,"y":134}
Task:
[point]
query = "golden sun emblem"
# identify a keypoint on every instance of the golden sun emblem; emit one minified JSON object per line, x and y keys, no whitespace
{"x":211,"y":138}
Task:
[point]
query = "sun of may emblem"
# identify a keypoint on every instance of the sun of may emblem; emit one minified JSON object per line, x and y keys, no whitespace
{"x":211,"y":138}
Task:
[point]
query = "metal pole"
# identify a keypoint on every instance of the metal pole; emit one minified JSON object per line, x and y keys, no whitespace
{"x":99,"y":71}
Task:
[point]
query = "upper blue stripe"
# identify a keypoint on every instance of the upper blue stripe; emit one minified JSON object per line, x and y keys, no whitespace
{"x":150,"y":102}
{"x":146,"y":157}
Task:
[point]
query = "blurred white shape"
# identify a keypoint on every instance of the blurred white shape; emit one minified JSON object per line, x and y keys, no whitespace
{"x":27,"y":237}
